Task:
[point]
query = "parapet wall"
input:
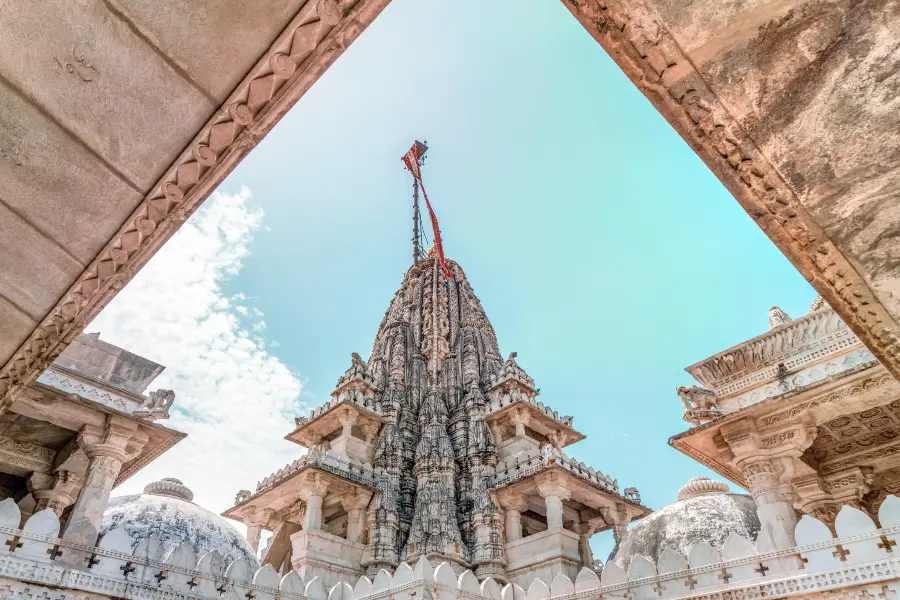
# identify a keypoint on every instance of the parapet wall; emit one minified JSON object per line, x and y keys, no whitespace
{"x":35,"y":563}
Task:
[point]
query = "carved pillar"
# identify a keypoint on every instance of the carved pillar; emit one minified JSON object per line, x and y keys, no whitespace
{"x":107,"y":448}
{"x":497,"y":430}
{"x":55,"y":492}
{"x":254,"y":532}
{"x":347,"y":419}
{"x":774,"y":499}
{"x":313,"y":493}
{"x":520,"y":419}
{"x":557,"y":438}
{"x":355,"y":504}
{"x":585,"y":531}
{"x":514,"y":507}
{"x":554,"y":494}
{"x":255,"y":526}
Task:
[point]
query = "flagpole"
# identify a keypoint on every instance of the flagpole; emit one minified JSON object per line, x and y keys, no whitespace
{"x":417,"y":251}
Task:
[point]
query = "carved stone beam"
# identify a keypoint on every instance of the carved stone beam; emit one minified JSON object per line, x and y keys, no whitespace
{"x":22,"y":457}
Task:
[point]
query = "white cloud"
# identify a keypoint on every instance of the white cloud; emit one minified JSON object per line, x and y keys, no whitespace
{"x":234,"y":399}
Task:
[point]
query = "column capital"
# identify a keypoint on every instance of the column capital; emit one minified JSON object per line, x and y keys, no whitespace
{"x":347,"y":416}
{"x":552,"y":485}
{"x":313,"y":485}
{"x":55,"y":492}
{"x":747,"y":444}
{"x":520,"y":416}
{"x":356,"y":500}
{"x":119,"y":438}
{"x":516,"y":502}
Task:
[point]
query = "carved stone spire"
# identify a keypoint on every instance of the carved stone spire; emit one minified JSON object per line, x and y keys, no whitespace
{"x":777,"y":317}
{"x":433,"y":360}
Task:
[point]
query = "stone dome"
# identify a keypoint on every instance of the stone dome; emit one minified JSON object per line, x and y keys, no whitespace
{"x":705,"y":512}
{"x":165,"y":509}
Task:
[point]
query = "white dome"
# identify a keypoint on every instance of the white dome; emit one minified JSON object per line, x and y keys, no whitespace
{"x":165,"y":509}
{"x":705,"y":512}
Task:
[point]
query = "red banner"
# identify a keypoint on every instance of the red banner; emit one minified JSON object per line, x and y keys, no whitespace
{"x":411,"y":159}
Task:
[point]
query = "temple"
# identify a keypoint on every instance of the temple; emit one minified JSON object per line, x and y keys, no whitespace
{"x":434,"y":472}
{"x":436,"y":447}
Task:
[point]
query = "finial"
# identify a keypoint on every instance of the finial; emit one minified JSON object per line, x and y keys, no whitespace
{"x":169,"y":487}
{"x":777,"y":317}
{"x":700,"y":486}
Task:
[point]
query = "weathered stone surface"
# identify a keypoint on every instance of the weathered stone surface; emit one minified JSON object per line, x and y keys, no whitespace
{"x":14,"y":328}
{"x":27,"y":257}
{"x":57,"y":184}
{"x":215,"y":42}
{"x":99,"y":79}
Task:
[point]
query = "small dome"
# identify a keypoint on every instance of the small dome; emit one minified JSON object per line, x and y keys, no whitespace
{"x":165,"y":509}
{"x":705,"y":512}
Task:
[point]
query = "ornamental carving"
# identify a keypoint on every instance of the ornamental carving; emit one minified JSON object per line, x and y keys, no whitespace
{"x":852,"y":391}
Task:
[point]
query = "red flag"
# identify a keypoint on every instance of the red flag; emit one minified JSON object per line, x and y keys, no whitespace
{"x":411,"y":159}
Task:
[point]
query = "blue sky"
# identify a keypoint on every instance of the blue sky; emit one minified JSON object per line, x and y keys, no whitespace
{"x":603,"y":250}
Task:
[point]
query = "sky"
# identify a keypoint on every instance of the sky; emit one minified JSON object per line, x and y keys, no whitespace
{"x":603,"y":250}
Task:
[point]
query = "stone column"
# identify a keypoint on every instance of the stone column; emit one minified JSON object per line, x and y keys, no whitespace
{"x":55,"y":492}
{"x":514,"y":507}
{"x":520,"y":419}
{"x":774,"y":499}
{"x":107,"y":448}
{"x":554,"y":493}
{"x":313,"y":493}
{"x":497,"y":429}
{"x":355,"y":504}
{"x":347,"y":419}
{"x":769,"y":461}
{"x":585,"y":531}
{"x":254,"y":532}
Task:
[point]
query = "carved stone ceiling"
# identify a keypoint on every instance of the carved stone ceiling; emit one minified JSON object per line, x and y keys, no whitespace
{"x":118,"y":117}
{"x":869,"y":438}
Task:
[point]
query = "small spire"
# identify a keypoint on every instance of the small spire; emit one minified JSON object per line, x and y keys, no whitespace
{"x":777,"y":317}
{"x":818,"y":303}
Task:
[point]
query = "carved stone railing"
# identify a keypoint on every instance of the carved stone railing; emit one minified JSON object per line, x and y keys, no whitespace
{"x":501,"y":400}
{"x":37,"y":556}
{"x":351,"y":470}
{"x":862,"y":556}
{"x":521,"y":466}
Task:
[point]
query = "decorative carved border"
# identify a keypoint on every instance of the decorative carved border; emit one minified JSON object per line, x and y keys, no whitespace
{"x":644,"y":49}
{"x":318,"y":34}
